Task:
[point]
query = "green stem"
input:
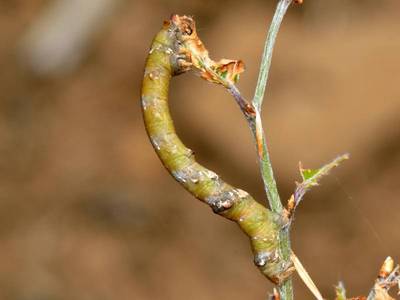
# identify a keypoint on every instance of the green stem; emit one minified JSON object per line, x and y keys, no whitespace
{"x":265,"y":166}
{"x":284,"y":248}
{"x":286,"y":289}
{"x":268,"y":49}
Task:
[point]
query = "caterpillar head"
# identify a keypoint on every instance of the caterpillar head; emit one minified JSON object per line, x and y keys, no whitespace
{"x":185,"y":28}
{"x":225,"y":71}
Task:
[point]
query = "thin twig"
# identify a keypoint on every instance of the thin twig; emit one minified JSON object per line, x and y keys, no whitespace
{"x":263,"y":153}
{"x":265,"y":166}
{"x":268,"y":49}
{"x":254,"y":121}
{"x":285,"y":290}
{"x":246,"y":107}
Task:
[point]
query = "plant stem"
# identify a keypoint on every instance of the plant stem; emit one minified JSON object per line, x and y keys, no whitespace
{"x":254,"y":120}
{"x":268,"y":49}
{"x":253,"y":117}
{"x":265,"y":166}
{"x":285,"y":290}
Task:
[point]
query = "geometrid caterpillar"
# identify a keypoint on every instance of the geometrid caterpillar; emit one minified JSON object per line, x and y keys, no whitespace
{"x":177,"y":49}
{"x":169,"y":56}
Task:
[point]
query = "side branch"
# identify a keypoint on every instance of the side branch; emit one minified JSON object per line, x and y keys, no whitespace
{"x":253,"y":118}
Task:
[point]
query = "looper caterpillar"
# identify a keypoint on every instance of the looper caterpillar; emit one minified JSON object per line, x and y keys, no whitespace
{"x":168,"y":57}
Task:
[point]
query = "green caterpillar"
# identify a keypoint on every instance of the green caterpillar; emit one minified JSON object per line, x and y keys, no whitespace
{"x":166,"y":58}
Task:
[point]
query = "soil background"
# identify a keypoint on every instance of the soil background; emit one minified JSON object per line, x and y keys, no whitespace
{"x":88,"y":212}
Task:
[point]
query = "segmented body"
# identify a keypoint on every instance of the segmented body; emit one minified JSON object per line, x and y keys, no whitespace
{"x":259,"y":223}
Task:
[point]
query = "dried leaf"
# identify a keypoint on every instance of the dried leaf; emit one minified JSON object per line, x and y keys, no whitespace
{"x":305,"y":277}
{"x":225,"y":72}
{"x":387,"y":267}
{"x":388,"y":277}
{"x":380,"y":293}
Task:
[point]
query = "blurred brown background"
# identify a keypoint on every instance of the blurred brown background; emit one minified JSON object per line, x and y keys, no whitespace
{"x":88,"y":212}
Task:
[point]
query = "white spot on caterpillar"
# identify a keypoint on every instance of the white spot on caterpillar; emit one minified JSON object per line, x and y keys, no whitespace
{"x":242,"y":194}
{"x":179,"y":175}
{"x":167,"y":50}
{"x":144,"y":104}
{"x":260,"y":259}
{"x":148,"y":101}
{"x":263,"y":257}
{"x":156,"y":143}
{"x":188,"y":173}
{"x":189,"y":152}
{"x":154,"y":75}
{"x":211,"y":175}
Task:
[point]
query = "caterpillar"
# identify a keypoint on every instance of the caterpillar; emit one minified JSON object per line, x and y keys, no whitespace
{"x":169,"y":56}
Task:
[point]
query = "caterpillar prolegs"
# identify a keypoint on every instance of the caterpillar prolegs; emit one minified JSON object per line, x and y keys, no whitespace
{"x":169,"y":56}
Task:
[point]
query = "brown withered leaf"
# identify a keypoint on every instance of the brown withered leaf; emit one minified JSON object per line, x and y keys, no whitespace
{"x":387,"y":267}
{"x":380,"y":293}
{"x":305,"y":277}
{"x":388,"y":277}
{"x":225,"y":72}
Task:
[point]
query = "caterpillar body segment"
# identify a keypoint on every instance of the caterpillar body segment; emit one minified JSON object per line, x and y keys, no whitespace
{"x":167,"y":57}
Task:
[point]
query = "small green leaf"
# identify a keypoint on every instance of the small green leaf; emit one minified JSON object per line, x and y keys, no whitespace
{"x":312,"y":176}
{"x":308,"y":173}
